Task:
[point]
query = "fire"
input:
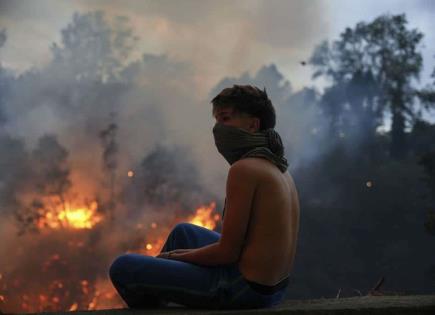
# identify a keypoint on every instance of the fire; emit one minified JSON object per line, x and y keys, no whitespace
{"x":73,"y":307}
{"x":66,"y":288}
{"x":204,"y":218}
{"x":70,"y":216}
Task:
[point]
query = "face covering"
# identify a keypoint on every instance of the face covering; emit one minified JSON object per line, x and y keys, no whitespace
{"x":236,"y":143}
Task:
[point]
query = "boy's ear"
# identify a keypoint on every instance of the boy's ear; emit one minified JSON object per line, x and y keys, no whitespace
{"x":255,"y":124}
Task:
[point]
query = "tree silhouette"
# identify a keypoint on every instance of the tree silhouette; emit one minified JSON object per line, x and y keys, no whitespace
{"x":109,"y":142}
{"x":383,"y":56}
{"x":92,"y":47}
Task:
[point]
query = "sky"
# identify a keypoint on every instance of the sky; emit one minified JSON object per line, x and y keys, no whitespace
{"x":219,"y":38}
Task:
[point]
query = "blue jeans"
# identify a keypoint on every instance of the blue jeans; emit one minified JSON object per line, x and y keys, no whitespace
{"x":146,"y":281}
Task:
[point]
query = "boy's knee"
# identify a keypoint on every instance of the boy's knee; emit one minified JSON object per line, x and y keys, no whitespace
{"x":183,"y":226}
{"x":119,"y":265}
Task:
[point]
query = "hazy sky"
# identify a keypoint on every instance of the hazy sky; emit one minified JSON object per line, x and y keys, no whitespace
{"x":219,"y":38}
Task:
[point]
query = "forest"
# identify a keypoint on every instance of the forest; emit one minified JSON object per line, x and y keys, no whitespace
{"x":360,"y":149}
{"x":367,"y":192}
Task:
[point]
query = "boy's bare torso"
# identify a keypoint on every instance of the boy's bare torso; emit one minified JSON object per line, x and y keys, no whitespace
{"x":270,"y":246}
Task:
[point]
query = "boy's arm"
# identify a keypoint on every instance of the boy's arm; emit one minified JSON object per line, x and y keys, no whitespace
{"x":241,"y":186}
{"x":209,"y":255}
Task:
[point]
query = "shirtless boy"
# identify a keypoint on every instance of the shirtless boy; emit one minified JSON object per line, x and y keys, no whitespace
{"x":248,"y":264}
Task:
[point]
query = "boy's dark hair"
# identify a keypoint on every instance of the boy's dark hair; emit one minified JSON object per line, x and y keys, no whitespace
{"x":247,"y":99}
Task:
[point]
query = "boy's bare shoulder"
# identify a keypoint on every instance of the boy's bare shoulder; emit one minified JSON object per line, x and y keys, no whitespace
{"x":249,"y":162}
{"x":253,"y":165}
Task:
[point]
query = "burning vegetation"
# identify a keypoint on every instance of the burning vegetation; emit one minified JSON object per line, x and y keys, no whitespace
{"x":64,"y":265}
{"x":84,"y":217}
{"x":61,"y":238}
{"x":78,"y":189}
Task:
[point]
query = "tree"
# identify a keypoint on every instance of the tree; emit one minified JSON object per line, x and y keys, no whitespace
{"x":277,"y":87}
{"x":47,"y":173}
{"x":52,"y":170}
{"x":427,"y":94}
{"x":164,"y":178}
{"x":383,"y":56}
{"x":93,"y":48}
{"x":427,"y":160}
{"x":108,"y":138}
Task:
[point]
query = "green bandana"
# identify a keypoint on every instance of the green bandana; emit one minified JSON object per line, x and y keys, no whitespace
{"x":236,"y":143}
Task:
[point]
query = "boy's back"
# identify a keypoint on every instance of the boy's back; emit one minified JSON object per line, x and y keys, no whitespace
{"x":269,"y":250}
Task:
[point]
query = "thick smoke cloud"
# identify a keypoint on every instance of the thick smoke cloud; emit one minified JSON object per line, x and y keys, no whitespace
{"x":216,"y":38}
{"x":118,"y":96}
{"x":75,"y":128}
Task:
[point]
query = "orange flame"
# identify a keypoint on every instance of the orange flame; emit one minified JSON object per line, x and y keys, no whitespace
{"x":204,"y":218}
{"x":70,"y":216}
{"x":90,"y":294}
{"x":73,"y":307}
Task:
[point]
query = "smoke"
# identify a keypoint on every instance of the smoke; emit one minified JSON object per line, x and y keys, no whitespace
{"x":216,"y":38}
{"x":3,"y":37}
{"x":106,"y":122}
{"x":299,"y":120}
{"x":73,"y":131}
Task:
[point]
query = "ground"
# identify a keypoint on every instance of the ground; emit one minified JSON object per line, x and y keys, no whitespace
{"x":397,"y":305}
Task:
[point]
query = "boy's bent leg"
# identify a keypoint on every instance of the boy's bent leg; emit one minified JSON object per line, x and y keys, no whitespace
{"x":143,"y":280}
{"x":188,"y":235}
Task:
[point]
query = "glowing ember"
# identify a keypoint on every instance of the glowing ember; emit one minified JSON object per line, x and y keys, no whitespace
{"x":77,"y":218}
{"x":153,"y":248}
{"x":130,"y":173}
{"x":73,"y":307}
{"x":204,"y":218}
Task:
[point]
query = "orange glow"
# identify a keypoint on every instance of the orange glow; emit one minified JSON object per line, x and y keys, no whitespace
{"x":130,"y":173}
{"x":152,"y":247}
{"x":71,"y":222}
{"x":73,"y":307}
{"x":70,"y":216}
{"x":204,"y":218}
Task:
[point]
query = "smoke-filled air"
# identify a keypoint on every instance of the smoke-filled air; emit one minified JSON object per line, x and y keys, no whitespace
{"x":106,"y":140}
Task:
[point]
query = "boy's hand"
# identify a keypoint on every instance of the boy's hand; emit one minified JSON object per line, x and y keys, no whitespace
{"x":172,"y":254}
